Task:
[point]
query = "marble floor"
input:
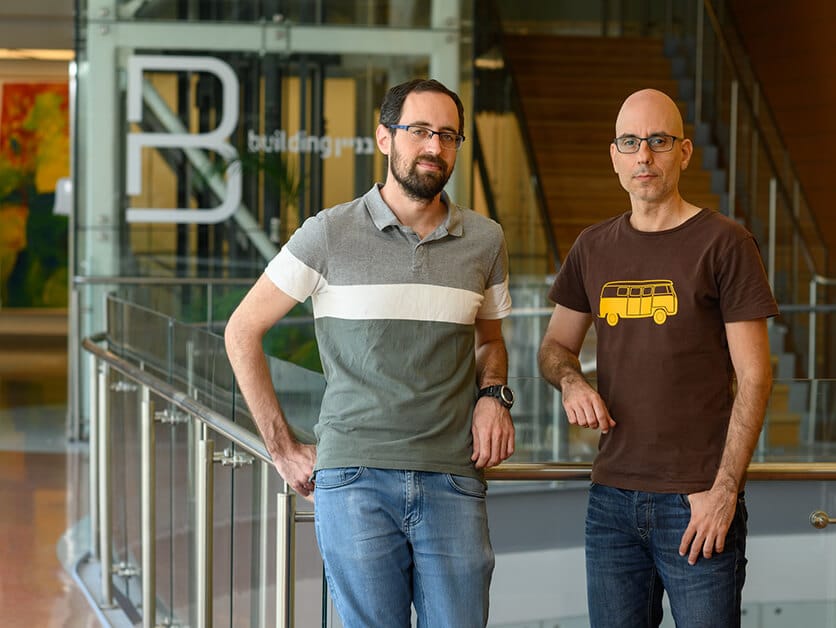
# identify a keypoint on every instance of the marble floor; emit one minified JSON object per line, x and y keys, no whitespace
{"x":42,"y":495}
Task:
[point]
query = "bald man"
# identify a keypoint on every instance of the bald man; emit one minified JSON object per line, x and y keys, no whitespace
{"x":680,"y":300}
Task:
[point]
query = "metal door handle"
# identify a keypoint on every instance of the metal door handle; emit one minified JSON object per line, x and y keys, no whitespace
{"x":820,"y":519}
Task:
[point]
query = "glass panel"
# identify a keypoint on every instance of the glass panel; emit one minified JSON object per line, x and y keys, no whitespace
{"x":125,"y":481}
{"x":175,"y":507}
{"x":244,"y":503}
{"x":247,"y":586}
{"x":800,"y":423}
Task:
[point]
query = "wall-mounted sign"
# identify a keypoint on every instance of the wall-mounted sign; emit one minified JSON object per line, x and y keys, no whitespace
{"x":214,"y":140}
{"x":300,"y":142}
{"x":226,"y":185}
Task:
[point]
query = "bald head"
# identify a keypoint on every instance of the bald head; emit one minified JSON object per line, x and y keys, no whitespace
{"x":650,"y":151}
{"x":646,"y":112}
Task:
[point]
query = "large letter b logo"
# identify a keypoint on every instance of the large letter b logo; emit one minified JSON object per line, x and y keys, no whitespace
{"x":189,"y":142}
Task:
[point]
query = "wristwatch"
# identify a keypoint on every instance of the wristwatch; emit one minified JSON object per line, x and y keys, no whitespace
{"x":501,"y":392}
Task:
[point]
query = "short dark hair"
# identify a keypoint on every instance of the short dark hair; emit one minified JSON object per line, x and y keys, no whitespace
{"x":390,"y":109}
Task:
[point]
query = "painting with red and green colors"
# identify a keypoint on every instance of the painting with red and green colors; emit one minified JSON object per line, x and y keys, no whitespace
{"x":34,"y":154}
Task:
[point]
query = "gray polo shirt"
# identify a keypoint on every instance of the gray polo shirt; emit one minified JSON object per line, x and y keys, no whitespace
{"x":395,"y":322}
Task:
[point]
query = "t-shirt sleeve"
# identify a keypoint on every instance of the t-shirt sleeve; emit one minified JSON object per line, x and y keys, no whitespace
{"x":299,"y":268}
{"x":568,"y":288}
{"x":497,"y":302}
{"x":743,"y":286}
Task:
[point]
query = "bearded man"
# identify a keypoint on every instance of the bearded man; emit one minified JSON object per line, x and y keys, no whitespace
{"x":408,"y":294}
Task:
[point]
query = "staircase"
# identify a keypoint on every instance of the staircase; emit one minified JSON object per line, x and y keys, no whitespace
{"x":571,"y":89}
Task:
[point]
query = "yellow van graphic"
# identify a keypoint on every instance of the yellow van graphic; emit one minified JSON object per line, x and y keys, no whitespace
{"x":654,"y":298}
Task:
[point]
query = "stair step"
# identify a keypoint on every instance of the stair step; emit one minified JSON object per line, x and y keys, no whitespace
{"x":602,"y":112}
{"x":587,"y":48}
{"x":594,"y":87}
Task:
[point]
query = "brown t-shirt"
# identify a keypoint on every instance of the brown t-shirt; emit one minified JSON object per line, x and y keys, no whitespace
{"x":659,"y":301}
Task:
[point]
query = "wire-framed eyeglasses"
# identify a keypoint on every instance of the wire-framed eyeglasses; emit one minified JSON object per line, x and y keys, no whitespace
{"x":657,"y":143}
{"x":421,"y":134}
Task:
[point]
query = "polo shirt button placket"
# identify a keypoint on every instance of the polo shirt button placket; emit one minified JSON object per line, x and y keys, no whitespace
{"x":419,"y":256}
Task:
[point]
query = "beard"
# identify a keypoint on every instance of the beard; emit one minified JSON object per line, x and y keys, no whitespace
{"x":417,"y":185}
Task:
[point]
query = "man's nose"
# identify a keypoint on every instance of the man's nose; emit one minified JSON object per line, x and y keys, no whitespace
{"x":433,"y":144}
{"x":644,"y":152}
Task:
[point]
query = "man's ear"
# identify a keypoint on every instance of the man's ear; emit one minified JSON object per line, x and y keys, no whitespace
{"x":687,"y":153}
{"x":612,"y":157}
{"x":384,"y":138}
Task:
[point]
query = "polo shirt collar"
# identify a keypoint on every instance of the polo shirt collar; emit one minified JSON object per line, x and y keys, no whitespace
{"x":384,"y":217}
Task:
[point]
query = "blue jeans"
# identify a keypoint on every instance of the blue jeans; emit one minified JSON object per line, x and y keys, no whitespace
{"x":391,"y":539}
{"x":632,"y":555}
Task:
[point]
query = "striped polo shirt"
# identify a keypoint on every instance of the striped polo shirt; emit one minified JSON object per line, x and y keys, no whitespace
{"x":394,"y":318}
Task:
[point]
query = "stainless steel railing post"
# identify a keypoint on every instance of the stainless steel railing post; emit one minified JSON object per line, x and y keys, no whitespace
{"x":148,"y":472}
{"x":263,"y":519}
{"x":285,"y":558}
{"x":93,"y":454}
{"x":811,"y":363}
{"x":105,"y":550}
{"x":204,"y":485}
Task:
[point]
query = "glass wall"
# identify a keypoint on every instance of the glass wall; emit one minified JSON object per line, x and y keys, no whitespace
{"x":205,"y":133}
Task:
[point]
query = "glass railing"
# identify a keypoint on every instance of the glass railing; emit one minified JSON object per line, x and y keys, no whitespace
{"x":191,"y":515}
{"x":199,"y":529}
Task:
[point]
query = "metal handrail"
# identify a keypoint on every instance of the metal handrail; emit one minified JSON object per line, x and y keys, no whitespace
{"x":551,"y":471}
{"x":581,"y":471}
{"x":217,"y":422}
{"x":79,"y":280}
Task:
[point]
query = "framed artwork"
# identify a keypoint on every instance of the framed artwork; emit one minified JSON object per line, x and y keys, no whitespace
{"x":34,"y":154}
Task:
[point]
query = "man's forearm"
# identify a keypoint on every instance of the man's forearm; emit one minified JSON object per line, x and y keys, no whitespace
{"x":253,"y":376}
{"x":491,"y":363}
{"x":745,"y":425}
{"x":558,"y":365}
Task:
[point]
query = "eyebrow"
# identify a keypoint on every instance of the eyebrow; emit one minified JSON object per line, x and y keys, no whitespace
{"x":446,"y":129}
{"x":651,"y":135}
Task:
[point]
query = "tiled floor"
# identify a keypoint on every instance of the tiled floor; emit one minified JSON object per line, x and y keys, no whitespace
{"x":42,"y":495}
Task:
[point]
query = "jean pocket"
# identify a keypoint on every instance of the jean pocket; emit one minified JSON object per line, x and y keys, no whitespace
{"x":337,"y":477}
{"x":686,"y":503}
{"x":467,"y":485}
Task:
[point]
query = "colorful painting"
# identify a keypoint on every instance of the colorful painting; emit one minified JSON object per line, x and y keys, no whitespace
{"x":34,"y":153}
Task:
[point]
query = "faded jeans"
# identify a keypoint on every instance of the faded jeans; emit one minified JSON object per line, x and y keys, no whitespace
{"x":391,"y":539}
{"x":632,"y":555}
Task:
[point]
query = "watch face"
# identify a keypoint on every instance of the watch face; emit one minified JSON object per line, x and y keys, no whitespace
{"x":501,"y":392}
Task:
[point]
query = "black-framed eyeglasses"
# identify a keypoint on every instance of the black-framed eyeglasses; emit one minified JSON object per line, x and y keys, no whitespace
{"x":421,"y":134}
{"x":657,"y":143}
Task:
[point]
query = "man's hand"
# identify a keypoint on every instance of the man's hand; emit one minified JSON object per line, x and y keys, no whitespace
{"x":493,"y":433}
{"x":584,"y":406}
{"x":296,"y":466}
{"x":712,"y":512}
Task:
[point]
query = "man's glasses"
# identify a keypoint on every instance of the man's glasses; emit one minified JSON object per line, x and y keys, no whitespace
{"x":421,"y":134}
{"x":657,"y":143}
